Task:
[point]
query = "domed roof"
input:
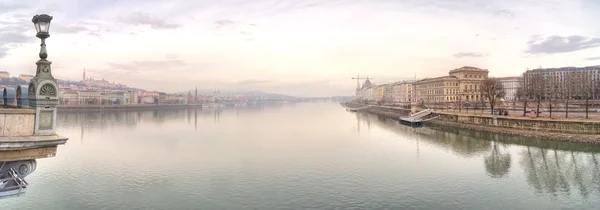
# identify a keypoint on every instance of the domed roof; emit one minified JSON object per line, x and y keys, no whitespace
{"x":367,"y":83}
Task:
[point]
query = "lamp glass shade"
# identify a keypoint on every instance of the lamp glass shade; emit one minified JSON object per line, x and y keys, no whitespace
{"x":42,"y":26}
{"x":37,"y":27}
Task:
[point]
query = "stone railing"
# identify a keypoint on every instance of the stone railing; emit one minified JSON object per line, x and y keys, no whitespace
{"x":15,"y":97}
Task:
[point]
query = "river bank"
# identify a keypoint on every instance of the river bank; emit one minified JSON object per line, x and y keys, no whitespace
{"x":126,"y":107}
{"x":572,"y":130}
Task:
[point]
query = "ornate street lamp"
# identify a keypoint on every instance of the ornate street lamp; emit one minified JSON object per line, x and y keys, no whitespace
{"x":43,"y":91}
{"x":42,"y":26}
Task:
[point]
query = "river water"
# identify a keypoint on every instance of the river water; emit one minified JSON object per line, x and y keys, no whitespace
{"x":300,"y":156}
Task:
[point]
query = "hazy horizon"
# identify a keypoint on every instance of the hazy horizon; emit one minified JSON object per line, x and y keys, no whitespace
{"x":309,"y":48}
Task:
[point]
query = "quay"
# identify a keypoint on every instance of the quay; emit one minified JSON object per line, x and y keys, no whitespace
{"x":127,"y":107}
{"x":571,"y":130}
{"x":28,"y":121}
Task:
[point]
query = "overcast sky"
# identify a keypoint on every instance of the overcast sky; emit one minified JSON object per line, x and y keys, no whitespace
{"x":296,"y":47}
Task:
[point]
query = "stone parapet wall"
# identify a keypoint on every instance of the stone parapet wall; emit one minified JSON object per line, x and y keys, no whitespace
{"x":548,"y":125}
{"x":17,"y":122}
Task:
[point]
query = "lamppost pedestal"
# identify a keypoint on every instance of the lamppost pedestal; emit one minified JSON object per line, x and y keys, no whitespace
{"x":43,"y":89}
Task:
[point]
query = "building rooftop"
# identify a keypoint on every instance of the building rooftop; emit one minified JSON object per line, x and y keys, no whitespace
{"x":568,"y":68}
{"x":509,"y":78}
{"x":2,"y":72}
{"x":436,"y":78}
{"x":367,"y":83}
{"x":467,"y":68}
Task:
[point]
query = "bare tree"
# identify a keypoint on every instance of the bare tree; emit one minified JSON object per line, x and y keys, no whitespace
{"x":482,"y":101}
{"x":460,"y":101}
{"x":596,"y":91}
{"x":493,"y":91}
{"x":538,"y":85}
{"x":568,"y":90}
{"x":576,"y":86}
{"x":523,"y":96}
{"x":588,"y":91}
{"x":553,"y":94}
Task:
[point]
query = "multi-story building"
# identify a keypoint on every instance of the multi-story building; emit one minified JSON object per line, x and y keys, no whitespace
{"x":365,"y":92}
{"x":511,"y":85}
{"x":68,"y":97}
{"x":147,"y":99}
{"x":176,"y":99}
{"x":134,"y":97}
{"x":4,"y":75}
{"x":564,"y":82}
{"x":470,"y":81}
{"x":104,"y":98}
{"x":437,"y":90}
{"x":162,"y":98}
{"x":25,"y":77}
{"x":378,"y":92}
{"x":462,"y":85}
{"x":89,"y":97}
{"x":388,"y":93}
{"x":119,"y":98}
{"x":403,"y":92}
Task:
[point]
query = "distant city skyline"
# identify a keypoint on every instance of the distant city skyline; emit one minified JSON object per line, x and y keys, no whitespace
{"x":296,"y":48}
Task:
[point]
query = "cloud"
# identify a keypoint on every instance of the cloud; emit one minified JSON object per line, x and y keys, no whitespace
{"x":3,"y":51}
{"x":504,"y":13}
{"x":171,"y":57}
{"x":226,"y":26}
{"x":59,"y":28}
{"x":222,"y":24}
{"x":140,"y":18}
{"x":298,"y":38}
{"x":136,"y":67}
{"x":252,"y":82}
{"x":11,"y":37}
{"x":140,"y":65}
{"x":7,"y":7}
{"x":593,"y":58}
{"x":470,"y":54}
{"x":559,"y":44}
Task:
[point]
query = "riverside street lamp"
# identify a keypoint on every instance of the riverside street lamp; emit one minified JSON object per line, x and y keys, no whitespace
{"x":43,"y":91}
{"x":42,"y":26}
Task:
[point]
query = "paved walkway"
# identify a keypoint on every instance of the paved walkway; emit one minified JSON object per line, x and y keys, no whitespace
{"x":529,"y":117}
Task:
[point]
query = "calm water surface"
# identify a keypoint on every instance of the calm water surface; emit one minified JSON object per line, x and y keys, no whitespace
{"x":302,"y":156}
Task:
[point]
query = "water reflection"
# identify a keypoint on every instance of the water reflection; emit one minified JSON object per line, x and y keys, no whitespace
{"x":130,"y":119}
{"x":302,"y":157}
{"x":555,"y":172}
{"x":551,"y":168}
{"x":497,"y":162}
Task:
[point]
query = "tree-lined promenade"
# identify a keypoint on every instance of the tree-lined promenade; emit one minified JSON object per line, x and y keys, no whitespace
{"x":550,"y":92}
{"x":576,"y":99}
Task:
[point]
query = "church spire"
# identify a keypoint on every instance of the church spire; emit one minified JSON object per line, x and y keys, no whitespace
{"x":83,"y":74}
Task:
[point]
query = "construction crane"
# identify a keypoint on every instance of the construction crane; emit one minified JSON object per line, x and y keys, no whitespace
{"x":358,"y":78}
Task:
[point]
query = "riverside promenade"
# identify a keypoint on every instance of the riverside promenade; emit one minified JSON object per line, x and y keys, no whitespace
{"x":563,"y":129}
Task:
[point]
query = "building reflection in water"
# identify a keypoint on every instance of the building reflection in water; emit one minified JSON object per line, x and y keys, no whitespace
{"x":549,"y":167}
{"x":93,"y":121}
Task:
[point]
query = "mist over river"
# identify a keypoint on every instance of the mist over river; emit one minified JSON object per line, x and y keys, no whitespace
{"x":300,"y":156}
